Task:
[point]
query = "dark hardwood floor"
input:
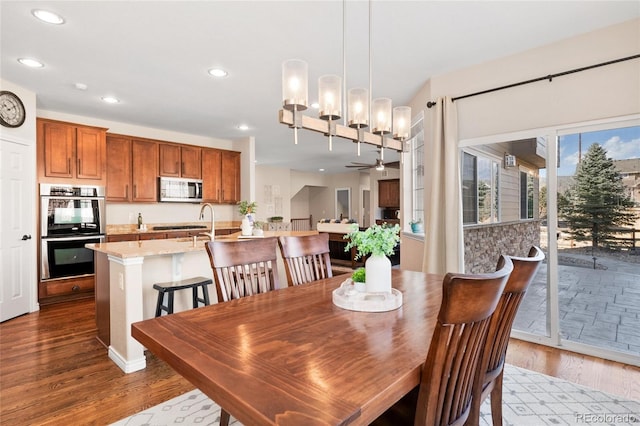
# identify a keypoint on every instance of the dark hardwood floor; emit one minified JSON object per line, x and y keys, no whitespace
{"x":54,"y":371}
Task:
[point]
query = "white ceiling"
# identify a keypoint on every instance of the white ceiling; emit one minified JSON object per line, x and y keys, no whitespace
{"x":154,"y":56}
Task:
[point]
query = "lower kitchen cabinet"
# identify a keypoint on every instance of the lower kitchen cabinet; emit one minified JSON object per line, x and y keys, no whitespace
{"x":53,"y":291}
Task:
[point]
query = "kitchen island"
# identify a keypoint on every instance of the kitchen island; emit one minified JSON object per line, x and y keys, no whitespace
{"x":125,"y":273}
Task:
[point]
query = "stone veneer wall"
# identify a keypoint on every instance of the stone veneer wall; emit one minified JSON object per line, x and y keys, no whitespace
{"x":483,"y":244}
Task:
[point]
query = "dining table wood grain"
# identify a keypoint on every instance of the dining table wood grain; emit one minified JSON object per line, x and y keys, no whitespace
{"x":291,"y":357}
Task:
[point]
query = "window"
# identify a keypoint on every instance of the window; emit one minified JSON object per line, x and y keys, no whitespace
{"x":416,"y":144}
{"x":526,"y":195}
{"x":480,"y":189}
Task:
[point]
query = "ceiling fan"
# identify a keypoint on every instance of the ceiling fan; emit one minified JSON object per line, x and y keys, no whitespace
{"x":379,"y":165}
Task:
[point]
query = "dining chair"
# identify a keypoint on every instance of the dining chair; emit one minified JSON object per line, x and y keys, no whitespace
{"x":306,"y":258}
{"x":488,"y":379}
{"x":243,"y":267}
{"x":444,"y":394}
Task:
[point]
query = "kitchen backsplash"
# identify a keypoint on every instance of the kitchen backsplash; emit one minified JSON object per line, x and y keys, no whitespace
{"x":167,"y":213}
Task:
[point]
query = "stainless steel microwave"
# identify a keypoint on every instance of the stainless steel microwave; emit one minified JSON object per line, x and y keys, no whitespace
{"x":177,"y":190}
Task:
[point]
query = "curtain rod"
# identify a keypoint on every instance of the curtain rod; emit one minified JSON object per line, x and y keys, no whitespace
{"x":549,"y":77}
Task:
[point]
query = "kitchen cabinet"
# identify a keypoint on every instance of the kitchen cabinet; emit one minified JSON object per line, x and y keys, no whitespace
{"x":220,"y":176}
{"x":116,"y":238}
{"x":54,"y":291}
{"x":144,"y":173}
{"x":180,"y":161}
{"x":72,"y":152}
{"x":131,"y":177}
{"x":118,"y":169}
{"x":389,"y":193}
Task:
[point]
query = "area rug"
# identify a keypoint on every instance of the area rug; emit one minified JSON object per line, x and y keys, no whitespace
{"x":529,"y":398}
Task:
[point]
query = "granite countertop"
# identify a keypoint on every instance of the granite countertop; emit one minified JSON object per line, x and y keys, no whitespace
{"x":120,"y":229}
{"x":129,"y":249}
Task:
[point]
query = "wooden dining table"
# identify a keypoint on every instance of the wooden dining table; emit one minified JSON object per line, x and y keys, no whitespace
{"x":292,"y":357}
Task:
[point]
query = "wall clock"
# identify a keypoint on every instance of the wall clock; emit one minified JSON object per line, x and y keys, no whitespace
{"x":12,"y":112}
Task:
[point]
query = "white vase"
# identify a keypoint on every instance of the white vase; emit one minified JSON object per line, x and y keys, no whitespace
{"x":378,"y":277}
{"x":360,"y":287}
{"x":247,"y":226}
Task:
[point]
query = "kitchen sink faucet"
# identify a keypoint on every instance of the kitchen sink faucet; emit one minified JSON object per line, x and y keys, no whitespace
{"x":212,"y":233}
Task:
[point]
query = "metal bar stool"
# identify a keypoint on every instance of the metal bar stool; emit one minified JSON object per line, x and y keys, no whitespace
{"x":169,"y":288}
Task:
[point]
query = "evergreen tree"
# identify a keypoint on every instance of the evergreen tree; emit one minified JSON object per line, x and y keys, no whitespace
{"x":597,"y":203}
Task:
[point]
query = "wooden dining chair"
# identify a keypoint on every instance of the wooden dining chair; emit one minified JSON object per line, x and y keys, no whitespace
{"x":444,"y":394}
{"x":489,"y":376}
{"x":243,"y":267}
{"x":306,"y":258}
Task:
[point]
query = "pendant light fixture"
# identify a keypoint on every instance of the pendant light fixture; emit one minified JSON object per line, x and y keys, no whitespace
{"x":381,"y":117}
{"x":295,"y":92}
{"x":330,"y":102}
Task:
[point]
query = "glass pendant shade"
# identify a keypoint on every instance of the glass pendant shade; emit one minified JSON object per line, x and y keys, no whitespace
{"x":381,"y":116}
{"x":401,"y":122}
{"x":330,"y":97}
{"x":295,"y":92}
{"x":358,"y":100}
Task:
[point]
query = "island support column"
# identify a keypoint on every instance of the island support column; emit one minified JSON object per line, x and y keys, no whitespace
{"x":125,"y":290}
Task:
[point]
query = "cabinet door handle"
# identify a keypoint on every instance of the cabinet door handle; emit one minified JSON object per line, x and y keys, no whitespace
{"x":68,"y":165}
{"x":135,"y":191}
{"x":182,"y":170}
{"x":177,"y":166}
{"x":75,"y":288}
{"x":79,"y":166}
{"x":26,"y":237}
{"x":126,"y":191}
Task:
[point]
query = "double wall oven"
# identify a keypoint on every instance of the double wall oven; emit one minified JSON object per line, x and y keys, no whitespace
{"x":71,"y":216}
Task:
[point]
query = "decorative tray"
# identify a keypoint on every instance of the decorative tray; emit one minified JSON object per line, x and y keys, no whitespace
{"x":347,"y":297}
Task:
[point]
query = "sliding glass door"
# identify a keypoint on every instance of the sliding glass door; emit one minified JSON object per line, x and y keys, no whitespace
{"x":598,"y":207}
{"x":576,"y":193}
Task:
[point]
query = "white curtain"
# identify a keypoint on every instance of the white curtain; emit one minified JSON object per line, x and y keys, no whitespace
{"x":444,"y":239}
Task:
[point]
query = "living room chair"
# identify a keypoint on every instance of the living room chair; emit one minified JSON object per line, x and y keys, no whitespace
{"x":444,"y":394}
{"x":489,"y":376}
{"x":306,"y":258}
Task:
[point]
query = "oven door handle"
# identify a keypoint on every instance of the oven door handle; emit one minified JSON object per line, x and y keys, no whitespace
{"x":84,"y":237}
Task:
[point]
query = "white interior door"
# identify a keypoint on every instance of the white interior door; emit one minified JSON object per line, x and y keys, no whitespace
{"x":17,"y":239}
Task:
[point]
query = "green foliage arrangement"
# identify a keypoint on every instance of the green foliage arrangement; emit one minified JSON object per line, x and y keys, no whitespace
{"x":359,"y":275}
{"x":259,"y":225}
{"x":245,"y":207}
{"x":275,"y":219}
{"x":376,"y":240}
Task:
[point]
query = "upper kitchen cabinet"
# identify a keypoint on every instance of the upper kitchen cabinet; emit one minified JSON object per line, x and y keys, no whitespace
{"x":144,"y":173}
{"x":73,"y":152}
{"x":220,"y":176}
{"x":389,"y":193}
{"x":180,"y":161}
{"x":132,"y":174}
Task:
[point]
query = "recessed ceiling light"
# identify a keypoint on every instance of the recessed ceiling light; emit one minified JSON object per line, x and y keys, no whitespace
{"x":321,"y":170}
{"x":218,"y":72}
{"x":80,"y":86}
{"x":31,"y":62}
{"x":243,"y":127}
{"x":48,"y":17}
{"x":315,"y":105}
{"x":110,"y":99}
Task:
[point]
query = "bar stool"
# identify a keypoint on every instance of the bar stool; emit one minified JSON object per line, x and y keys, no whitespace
{"x":169,"y":288}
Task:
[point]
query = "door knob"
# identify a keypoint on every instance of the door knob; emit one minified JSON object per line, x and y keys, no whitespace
{"x":26,"y":237}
